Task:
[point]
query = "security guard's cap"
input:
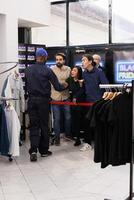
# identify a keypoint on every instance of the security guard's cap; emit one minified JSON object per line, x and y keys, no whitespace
{"x":41,"y":52}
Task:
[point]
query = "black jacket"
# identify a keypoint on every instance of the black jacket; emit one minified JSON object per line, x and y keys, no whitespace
{"x":39,"y":79}
{"x":75,"y":90}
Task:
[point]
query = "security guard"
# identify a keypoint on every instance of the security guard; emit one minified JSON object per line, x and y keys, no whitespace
{"x":38,"y":87}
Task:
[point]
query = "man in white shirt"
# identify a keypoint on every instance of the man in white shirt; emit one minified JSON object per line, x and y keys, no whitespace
{"x":62,"y":72}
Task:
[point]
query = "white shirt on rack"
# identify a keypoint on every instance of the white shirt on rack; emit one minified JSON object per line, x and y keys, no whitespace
{"x":13,"y":129}
{"x":13,"y":123}
{"x":17,"y":92}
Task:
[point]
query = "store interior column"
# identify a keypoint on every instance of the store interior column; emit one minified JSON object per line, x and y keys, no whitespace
{"x":8,"y":42}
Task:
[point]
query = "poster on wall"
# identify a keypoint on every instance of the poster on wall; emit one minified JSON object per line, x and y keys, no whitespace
{"x":123,"y":66}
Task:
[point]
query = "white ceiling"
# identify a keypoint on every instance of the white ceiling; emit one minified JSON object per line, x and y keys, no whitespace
{"x":25,"y":23}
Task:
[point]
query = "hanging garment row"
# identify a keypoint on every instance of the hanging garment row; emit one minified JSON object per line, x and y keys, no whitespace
{"x":13,"y":87}
{"x":9,"y":131}
{"x":111,"y":120}
{"x":10,"y":114}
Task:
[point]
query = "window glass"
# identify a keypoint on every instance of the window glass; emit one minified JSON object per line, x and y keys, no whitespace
{"x":89,"y":22}
{"x":123,"y":21}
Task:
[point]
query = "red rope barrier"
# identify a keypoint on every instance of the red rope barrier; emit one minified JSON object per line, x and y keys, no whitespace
{"x":71,"y":103}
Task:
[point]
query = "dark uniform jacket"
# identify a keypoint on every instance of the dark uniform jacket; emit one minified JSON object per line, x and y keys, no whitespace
{"x":39,"y":79}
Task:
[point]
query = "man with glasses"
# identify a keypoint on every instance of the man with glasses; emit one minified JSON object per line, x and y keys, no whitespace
{"x":62,"y":72}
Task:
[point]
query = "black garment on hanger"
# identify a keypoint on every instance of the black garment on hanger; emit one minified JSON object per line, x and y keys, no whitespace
{"x":100,"y":131}
{"x":120,"y":117}
{"x":111,"y":120}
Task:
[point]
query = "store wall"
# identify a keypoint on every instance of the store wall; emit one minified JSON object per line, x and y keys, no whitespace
{"x":11,"y":13}
{"x":8,"y":43}
{"x":37,"y":11}
{"x":31,"y":10}
{"x":2,"y":36}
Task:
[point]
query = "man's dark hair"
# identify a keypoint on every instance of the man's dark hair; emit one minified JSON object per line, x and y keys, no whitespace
{"x":90,"y":58}
{"x":61,"y":54}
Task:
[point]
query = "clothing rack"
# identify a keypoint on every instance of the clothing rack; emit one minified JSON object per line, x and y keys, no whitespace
{"x":15,"y":65}
{"x":108,"y":86}
{"x":8,"y":99}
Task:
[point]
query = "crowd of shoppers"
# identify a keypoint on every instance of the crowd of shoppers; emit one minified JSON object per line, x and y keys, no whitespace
{"x":61,"y":84}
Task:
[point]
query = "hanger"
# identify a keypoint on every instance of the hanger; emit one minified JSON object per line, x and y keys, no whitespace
{"x":114,"y":94}
{"x":105,"y":93}
{"x":109,"y":96}
{"x":16,"y":73}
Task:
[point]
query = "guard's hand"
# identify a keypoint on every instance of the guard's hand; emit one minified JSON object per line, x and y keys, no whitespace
{"x":81,"y":82}
{"x":74,"y":101}
{"x":65,"y":85}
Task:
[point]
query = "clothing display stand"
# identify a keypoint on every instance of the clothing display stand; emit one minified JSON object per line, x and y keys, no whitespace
{"x":131,"y":194}
{"x":5,"y":98}
{"x":108,"y":86}
{"x":8,"y":99}
{"x":9,"y":69}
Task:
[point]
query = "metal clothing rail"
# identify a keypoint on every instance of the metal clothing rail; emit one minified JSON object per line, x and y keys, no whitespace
{"x":7,"y":98}
{"x":9,"y":68}
{"x":105,"y":86}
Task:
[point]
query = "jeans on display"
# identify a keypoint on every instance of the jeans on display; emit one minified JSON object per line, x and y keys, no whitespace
{"x":58,"y":110}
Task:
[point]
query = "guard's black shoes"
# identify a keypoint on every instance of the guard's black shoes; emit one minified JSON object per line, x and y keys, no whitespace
{"x":77,"y":143}
{"x":20,"y":143}
{"x":33,"y":157}
{"x":46,"y":154}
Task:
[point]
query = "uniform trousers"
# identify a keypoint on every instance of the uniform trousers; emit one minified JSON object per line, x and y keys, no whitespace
{"x":38,"y":111}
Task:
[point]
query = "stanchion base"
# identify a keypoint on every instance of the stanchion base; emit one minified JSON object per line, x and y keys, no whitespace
{"x":10,"y":158}
{"x":107,"y":199}
{"x":130,"y":198}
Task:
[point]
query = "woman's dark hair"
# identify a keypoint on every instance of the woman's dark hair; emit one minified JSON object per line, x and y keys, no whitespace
{"x":90,"y":58}
{"x":61,"y":54}
{"x":79,"y":72}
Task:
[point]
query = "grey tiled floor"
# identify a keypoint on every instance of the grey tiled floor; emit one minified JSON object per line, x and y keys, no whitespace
{"x":67,"y":175}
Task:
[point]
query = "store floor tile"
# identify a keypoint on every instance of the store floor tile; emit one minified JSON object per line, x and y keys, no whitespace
{"x":68,"y":174}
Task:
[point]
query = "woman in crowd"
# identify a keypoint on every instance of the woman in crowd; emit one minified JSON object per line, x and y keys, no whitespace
{"x":77,"y":94}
